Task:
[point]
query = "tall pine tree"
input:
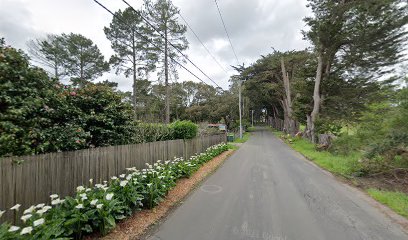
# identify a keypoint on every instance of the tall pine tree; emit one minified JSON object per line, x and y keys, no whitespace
{"x":84,"y":61}
{"x":163,"y":15}
{"x":134,"y":55}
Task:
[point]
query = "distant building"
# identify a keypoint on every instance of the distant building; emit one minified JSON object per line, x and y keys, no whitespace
{"x":221,"y":127}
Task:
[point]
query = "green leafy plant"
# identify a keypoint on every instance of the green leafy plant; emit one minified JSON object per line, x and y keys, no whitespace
{"x":184,"y":129}
{"x":100,"y":206}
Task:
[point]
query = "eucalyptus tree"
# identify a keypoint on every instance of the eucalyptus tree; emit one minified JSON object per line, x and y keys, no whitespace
{"x":163,"y":16}
{"x":50,"y":52}
{"x":362,"y":37}
{"x":130,"y":39}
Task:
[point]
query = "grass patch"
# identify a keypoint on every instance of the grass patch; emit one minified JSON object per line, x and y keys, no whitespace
{"x":251,"y":129}
{"x":347,"y":166}
{"x":244,"y":138}
{"x":232,"y":147}
{"x":397,"y":201}
{"x":342,"y":165}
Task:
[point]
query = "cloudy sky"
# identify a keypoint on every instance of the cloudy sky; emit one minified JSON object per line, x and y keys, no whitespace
{"x":255,"y":26}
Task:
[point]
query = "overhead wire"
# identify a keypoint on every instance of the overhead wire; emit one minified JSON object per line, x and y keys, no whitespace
{"x":208,"y":51}
{"x":171,"y":44}
{"x":226,"y":31}
{"x":151,"y":42}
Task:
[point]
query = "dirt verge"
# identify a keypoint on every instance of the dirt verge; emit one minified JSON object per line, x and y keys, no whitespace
{"x":136,"y":225}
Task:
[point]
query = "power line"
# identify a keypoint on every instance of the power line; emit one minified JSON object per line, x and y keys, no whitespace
{"x":225,"y":28}
{"x":171,"y":44}
{"x":208,"y":51}
{"x":113,"y":14}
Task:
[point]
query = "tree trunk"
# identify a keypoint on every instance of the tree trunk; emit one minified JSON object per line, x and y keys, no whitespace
{"x":134,"y":99}
{"x":290,"y":124}
{"x":166,"y":77}
{"x":316,"y":101}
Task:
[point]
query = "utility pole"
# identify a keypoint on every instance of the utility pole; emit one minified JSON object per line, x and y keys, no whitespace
{"x":253,"y":118}
{"x":240,"y":111}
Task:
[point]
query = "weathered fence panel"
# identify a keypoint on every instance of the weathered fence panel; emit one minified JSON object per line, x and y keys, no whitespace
{"x":29,"y":180}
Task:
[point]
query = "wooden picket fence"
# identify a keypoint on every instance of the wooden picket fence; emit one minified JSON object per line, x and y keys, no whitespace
{"x":29,"y":180}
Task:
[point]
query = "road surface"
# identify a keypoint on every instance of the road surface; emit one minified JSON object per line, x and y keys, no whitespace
{"x":267,"y":191}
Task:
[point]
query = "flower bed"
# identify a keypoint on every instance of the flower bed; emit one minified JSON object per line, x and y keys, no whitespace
{"x":99,"y":207}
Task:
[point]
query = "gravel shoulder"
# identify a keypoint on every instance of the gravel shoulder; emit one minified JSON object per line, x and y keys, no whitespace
{"x":138,"y":224}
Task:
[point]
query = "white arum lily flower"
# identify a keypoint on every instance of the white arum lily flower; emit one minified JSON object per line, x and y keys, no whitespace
{"x":98,"y":185}
{"x":109,"y":196}
{"x":29,"y":210}
{"x":38,"y":222}
{"x":26,"y":230}
{"x":46,"y":208}
{"x":99,"y":206}
{"x":122,"y":175}
{"x":53,"y":196}
{"x":1,"y":213}
{"x":91,"y":181}
{"x":149,"y":185}
{"x":80,"y":188}
{"x":123,"y":183}
{"x":88,"y":190}
{"x":128,"y":177}
{"x":94,"y":202}
{"x":79,"y":206}
{"x":41,"y":205}
{"x":83,"y":196}
{"x":13,"y":228}
{"x":15,"y":207}
{"x":56,"y":201}
{"x":114,"y":178}
{"x":26,"y":217}
{"x":43,"y":210}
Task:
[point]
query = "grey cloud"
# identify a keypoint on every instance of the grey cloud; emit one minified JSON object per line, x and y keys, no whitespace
{"x":15,"y":25}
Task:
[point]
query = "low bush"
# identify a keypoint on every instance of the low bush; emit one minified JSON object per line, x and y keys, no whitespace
{"x":151,"y":132}
{"x":100,"y":206}
{"x":184,"y":129}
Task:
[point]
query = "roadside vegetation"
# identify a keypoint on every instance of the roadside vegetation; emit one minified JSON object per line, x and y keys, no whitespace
{"x":98,"y":207}
{"x":245,"y":137}
{"x":397,"y":201}
{"x":343,"y":103}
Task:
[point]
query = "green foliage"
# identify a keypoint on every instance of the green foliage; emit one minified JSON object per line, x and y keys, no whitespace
{"x":71,"y":55}
{"x":184,"y":129}
{"x":346,"y":166}
{"x":130,"y":48}
{"x":99,"y":207}
{"x":84,"y":60}
{"x":397,"y":201}
{"x":345,"y":144}
{"x":244,"y":138}
{"x":383,"y":134}
{"x":325,"y":126}
{"x":51,"y":53}
{"x":163,"y":15}
{"x":25,"y":94}
{"x":151,"y":132}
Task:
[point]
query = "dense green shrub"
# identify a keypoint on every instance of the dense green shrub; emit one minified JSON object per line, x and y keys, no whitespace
{"x":39,"y":115}
{"x":184,"y":129}
{"x":345,"y":144}
{"x":151,"y":132}
{"x":100,"y":206}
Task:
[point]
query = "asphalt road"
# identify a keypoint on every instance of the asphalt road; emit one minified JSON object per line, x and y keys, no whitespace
{"x":267,"y":191}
